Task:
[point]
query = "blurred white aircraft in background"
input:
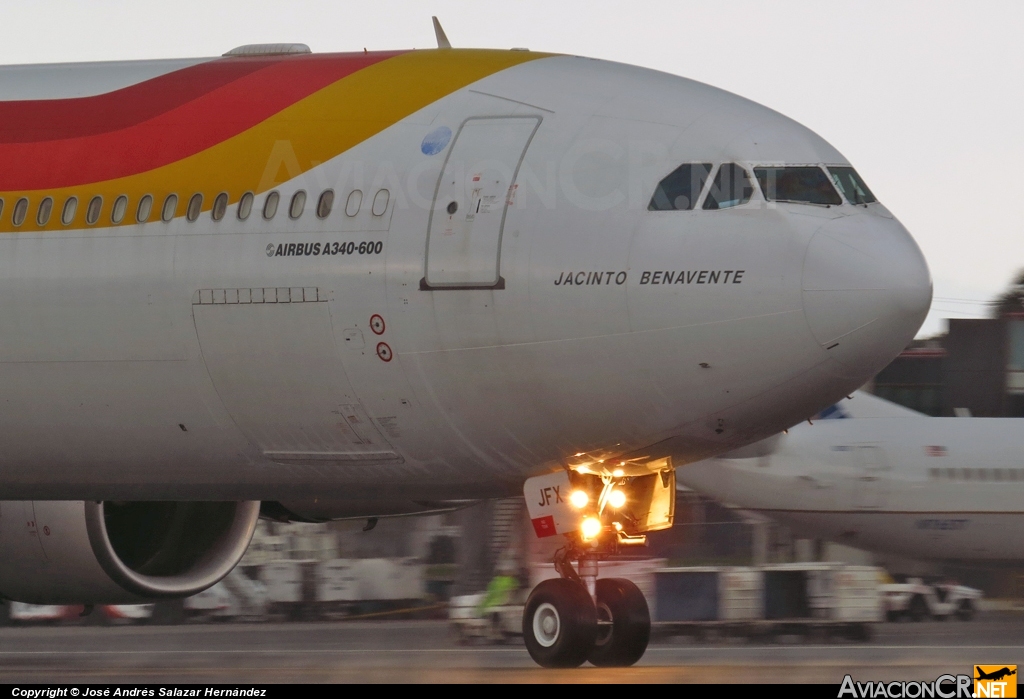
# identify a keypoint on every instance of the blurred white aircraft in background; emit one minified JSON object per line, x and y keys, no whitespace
{"x":872,"y":474}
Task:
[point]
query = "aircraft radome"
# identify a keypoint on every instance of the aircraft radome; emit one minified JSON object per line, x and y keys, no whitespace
{"x":319,"y":286}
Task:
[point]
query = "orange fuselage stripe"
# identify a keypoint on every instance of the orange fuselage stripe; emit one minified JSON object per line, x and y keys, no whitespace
{"x":310,"y":131}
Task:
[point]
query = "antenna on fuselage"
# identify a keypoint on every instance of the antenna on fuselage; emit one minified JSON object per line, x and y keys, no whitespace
{"x":442,"y":39}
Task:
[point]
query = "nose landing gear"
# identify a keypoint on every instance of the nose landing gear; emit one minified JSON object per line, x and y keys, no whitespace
{"x":563,"y":626}
{"x":600,"y":508}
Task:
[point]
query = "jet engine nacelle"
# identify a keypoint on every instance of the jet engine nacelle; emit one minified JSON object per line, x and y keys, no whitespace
{"x":73,"y":552}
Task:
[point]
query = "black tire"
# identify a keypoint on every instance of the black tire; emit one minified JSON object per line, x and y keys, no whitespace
{"x":96,"y":617}
{"x":625,"y":641}
{"x":893,"y":616}
{"x":459,"y":635}
{"x":168,"y":612}
{"x":918,"y":610}
{"x":559,"y":624}
{"x":965,"y":610}
{"x":859,"y":633}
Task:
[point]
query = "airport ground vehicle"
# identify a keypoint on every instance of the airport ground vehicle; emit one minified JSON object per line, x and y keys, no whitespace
{"x":294,"y":285}
{"x":495,"y":624}
{"x":296,"y":589}
{"x":22,"y":613}
{"x":916,"y":600}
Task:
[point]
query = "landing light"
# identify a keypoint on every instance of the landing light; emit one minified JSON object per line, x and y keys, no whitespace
{"x":618,"y":473}
{"x":579,"y":499}
{"x":617,"y":499}
{"x":590,"y":528}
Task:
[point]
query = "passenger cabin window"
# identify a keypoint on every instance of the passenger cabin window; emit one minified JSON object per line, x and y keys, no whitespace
{"x":270,"y":205}
{"x":355,"y":200}
{"x":145,"y":209}
{"x":220,"y":206}
{"x":325,"y":204}
{"x":1,"y":207}
{"x":45,"y":209}
{"x":982,"y":474}
{"x":380,"y":202}
{"x":731,"y":187}
{"x":298,"y":204}
{"x":20,"y":211}
{"x":119,"y":209}
{"x":245,"y":206}
{"x":799,"y":184}
{"x":680,"y":190}
{"x":851,"y":185}
{"x":92,"y":212}
{"x":67,"y":214}
{"x":195,"y":207}
{"x":170,"y":208}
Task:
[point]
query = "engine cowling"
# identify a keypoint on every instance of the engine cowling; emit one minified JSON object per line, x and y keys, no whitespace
{"x":73,"y":552}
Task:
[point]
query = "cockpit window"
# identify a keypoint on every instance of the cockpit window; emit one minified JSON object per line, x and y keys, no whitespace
{"x":731,"y":187}
{"x":851,"y":185}
{"x":679,"y":191}
{"x":801,"y":184}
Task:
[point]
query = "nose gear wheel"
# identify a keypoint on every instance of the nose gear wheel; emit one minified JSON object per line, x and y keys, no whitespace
{"x":559,"y":624}
{"x":623,"y":641}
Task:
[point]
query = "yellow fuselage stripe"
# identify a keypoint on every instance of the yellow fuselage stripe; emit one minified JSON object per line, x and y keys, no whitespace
{"x":314,"y":130}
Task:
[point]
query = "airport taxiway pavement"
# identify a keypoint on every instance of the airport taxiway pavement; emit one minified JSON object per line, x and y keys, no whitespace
{"x":425,"y":651}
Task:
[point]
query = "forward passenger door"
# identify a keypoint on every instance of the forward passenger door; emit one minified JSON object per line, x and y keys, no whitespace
{"x":473,"y":193}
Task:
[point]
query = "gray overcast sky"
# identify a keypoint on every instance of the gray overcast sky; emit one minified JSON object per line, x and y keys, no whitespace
{"x":924,"y":98}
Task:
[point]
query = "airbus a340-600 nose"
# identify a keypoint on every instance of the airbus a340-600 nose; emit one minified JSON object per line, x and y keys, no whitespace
{"x":866,"y":289}
{"x":316,"y":287}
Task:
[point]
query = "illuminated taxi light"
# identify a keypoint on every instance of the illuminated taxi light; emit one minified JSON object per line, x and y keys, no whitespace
{"x":579,"y":499}
{"x":618,"y":527}
{"x":618,"y":473}
{"x":617,"y":499}
{"x":590,"y":528}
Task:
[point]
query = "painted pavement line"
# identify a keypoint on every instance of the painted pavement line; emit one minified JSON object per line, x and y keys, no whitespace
{"x":465,"y":651}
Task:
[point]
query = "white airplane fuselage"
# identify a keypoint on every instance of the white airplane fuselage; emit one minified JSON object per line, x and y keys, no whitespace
{"x":366,"y":358}
{"x":932,"y":488}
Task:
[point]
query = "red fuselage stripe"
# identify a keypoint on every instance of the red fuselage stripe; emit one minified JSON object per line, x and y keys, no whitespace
{"x":63,"y":143}
{"x":50,"y":120}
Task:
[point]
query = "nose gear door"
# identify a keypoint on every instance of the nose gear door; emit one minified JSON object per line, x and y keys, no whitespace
{"x":473,"y":193}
